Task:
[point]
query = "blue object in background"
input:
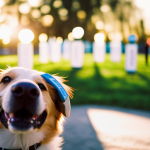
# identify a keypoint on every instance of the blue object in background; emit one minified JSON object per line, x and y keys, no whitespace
{"x":122,"y":47}
{"x":107,"y":48}
{"x":88,"y":47}
{"x":132,"y":38}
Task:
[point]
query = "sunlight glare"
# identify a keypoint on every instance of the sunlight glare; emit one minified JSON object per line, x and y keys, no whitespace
{"x":78,"y":32}
{"x":26,"y":36}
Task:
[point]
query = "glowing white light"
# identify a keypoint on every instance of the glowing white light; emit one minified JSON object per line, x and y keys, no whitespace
{"x":99,"y":25}
{"x":70,"y":36}
{"x":26,"y":36}
{"x":105,"y":8}
{"x":59,"y":40}
{"x":78,"y":32}
{"x":5,"y":31}
{"x":24,"y":8}
{"x":99,"y":37}
{"x":45,"y":9}
{"x":144,"y":4}
{"x":2,"y":3}
{"x":35,"y":3}
{"x":43,"y":37}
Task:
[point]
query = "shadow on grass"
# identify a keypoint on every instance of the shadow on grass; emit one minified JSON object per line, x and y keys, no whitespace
{"x":108,"y":91}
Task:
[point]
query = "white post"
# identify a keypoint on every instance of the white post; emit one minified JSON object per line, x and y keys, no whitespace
{"x":131,"y":51}
{"x":55,"y":52}
{"x":115,"y":51}
{"x":99,"y":51}
{"x":25,"y":49}
{"x":77,"y":54}
{"x":66,"y":49}
{"x":43,"y":52}
{"x":25,"y":55}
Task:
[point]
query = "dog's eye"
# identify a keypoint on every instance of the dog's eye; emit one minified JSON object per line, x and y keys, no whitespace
{"x":6,"y":79}
{"x":41,"y":86}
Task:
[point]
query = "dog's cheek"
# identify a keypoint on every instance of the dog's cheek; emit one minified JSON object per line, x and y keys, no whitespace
{"x":50,"y":106}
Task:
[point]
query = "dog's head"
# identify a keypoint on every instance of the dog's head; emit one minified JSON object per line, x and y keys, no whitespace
{"x":31,"y":100}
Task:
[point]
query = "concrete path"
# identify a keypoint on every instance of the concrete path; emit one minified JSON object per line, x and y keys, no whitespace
{"x":92,"y":127}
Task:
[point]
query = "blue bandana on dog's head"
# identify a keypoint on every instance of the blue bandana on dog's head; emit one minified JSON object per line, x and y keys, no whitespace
{"x":64,"y":98}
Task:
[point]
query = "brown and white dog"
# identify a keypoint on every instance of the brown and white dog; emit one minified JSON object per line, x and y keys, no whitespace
{"x":31,"y":113}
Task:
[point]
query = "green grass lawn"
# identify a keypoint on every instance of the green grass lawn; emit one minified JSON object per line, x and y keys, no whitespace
{"x":100,"y":83}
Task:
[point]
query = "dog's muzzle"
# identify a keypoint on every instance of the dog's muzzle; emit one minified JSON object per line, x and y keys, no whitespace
{"x":23,"y":114}
{"x":25,"y":95}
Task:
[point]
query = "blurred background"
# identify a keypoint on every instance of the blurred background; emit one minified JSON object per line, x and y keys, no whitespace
{"x":104,"y":86}
{"x":59,"y":17}
{"x":96,"y":83}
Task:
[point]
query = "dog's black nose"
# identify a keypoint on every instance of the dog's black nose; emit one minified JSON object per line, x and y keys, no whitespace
{"x":25,"y":91}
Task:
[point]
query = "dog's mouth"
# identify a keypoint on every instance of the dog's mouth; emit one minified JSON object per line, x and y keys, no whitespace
{"x":22,"y":120}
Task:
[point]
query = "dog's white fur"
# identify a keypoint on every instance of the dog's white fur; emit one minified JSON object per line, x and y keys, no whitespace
{"x":10,"y":140}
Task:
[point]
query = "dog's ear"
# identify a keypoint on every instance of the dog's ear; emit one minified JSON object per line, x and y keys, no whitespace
{"x":59,"y":93}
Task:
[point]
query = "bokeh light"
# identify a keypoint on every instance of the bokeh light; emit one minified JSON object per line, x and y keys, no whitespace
{"x":2,"y":2}
{"x":76,"y":5}
{"x":78,"y":32}
{"x":5,"y":31}
{"x":108,"y":27}
{"x":99,"y":25}
{"x":6,"y":40}
{"x":47,"y":20}
{"x":59,"y":40}
{"x":26,"y":36}
{"x":35,"y":13}
{"x":12,"y":21}
{"x":99,"y":38}
{"x":105,"y":8}
{"x":63,"y":12}
{"x":70,"y":37}
{"x":57,"y":3}
{"x":81,"y":14}
{"x":24,"y":8}
{"x":95,"y":18}
{"x":35,"y":3}
{"x":45,"y":9}
{"x":43,"y":37}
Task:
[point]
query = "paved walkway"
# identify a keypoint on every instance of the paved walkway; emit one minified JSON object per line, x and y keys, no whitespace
{"x":92,"y":127}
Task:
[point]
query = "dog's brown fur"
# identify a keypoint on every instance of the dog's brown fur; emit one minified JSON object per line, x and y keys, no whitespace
{"x":53,"y":123}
